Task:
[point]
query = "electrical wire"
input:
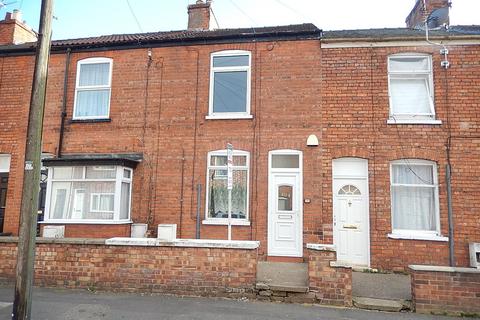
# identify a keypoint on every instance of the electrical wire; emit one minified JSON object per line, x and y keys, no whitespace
{"x":214,"y":17}
{"x":244,"y":13}
{"x":134,"y":16}
{"x":300,"y":14}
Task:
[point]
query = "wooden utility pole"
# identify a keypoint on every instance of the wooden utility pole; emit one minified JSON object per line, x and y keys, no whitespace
{"x":31,"y":181}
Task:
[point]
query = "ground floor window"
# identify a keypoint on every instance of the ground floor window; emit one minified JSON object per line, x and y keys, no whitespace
{"x":88,"y":193}
{"x":217,"y":192}
{"x":414,"y":196}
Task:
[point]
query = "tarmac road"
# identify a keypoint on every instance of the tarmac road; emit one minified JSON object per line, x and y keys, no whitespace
{"x":53,"y":304}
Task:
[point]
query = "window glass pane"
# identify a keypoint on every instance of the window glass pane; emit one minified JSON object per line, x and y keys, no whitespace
{"x":4,"y":162}
{"x":218,"y":160}
{"x":413,"y":208}
{"x":91,"y":103}
{"x":59,"y":198}
{"x":412,"y":174}
{"x":125,"y":201}
{"x":222,"y":160}
{"x":230,"y":91}
{"x":409,"y":64}
{"x":94,"y":74}
{"x":231,"y":61}
{"x":67,"y":173}
{"x":127,"y":174}
{"x":102,"y":202}
{"x":71,"y":200}
{"x":285,"y":161}
{"x":101,"y":172}
{"x":410,"y":96}
{"x":218,"y":195}
{"x":285,"y":195}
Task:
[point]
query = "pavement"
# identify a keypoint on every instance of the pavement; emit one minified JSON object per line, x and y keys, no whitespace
{"x":54,"y":304}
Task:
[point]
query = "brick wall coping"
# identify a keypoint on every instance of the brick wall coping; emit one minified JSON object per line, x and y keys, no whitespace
{"x":443,"y":269}
{"x":191,"y":243}
{"x":321,"y":247}
{"x":57,"y":240}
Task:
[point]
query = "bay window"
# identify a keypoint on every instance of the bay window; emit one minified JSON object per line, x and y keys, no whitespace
{"x":88,"y":194}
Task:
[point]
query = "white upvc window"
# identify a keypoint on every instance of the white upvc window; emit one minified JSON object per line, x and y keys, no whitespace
{"x":410,"y":87}
{"x":88,"y":194}
{"x":93,"y":89}
{"x":217,"y":192}
{"x":230,"y":77}
{"x":414,"y":198}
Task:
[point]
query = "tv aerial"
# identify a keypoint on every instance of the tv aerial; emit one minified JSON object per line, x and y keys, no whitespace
{"x":3,"y":4}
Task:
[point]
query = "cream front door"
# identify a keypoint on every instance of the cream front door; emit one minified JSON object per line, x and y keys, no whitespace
{"x":350,"y":221}
{"x":285,"y":215}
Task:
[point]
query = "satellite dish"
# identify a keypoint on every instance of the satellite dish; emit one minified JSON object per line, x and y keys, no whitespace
{"x":438,"y":17}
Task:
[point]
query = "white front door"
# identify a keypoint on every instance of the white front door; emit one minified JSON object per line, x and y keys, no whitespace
{"x":285,"y":229}
{"x":350,"y":213}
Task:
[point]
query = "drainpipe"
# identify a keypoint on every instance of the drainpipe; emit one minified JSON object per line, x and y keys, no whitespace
{"x":448,"y":177}
{"x":64,"y":105}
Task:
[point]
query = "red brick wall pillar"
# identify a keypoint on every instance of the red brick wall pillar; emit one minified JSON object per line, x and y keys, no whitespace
{"x":332,"y":285}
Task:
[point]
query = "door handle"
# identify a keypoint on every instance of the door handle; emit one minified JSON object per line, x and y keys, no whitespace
{"x":350,"y":226}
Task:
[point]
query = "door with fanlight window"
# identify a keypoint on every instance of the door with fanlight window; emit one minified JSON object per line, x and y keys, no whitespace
{"x":350,"y":211}
{"x":285,"y":205}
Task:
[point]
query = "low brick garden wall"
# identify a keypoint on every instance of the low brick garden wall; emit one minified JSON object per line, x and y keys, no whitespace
{"x":185,"y":268}
{"x":446,"y":290}
{"x":331,"y":283}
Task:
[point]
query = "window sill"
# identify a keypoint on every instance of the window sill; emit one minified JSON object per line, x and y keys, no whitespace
{"x":414,"y":121}
{"x":84,"y":222}
{"x":90,"y":120}
{"x":224,"y":222}
{"x":426,"y":237}
{"x":228,"y":117}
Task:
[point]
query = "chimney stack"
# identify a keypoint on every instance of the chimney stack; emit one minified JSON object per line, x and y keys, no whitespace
{"x":199,"y":15}
{"x":416,"y":18}
{"x":14,"y":31}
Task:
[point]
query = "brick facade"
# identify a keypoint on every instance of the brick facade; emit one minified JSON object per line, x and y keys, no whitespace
{"x":298,"y":88}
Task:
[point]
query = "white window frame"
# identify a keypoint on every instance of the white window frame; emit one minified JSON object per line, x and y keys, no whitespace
{"x":213,"y":70}
{"x":79,"y":88}
{"x":99,"y":195}
{"x":224,"y":221}
{"x":412,"y":118}
{"x":119,"y":178}
{"x":416,"y":234}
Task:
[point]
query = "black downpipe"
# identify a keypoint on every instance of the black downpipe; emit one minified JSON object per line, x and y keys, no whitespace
{"x":64,"y":104}
{"x":448,"y":176}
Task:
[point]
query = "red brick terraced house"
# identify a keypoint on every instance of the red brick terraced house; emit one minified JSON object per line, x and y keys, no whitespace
{"x":340,"y":137}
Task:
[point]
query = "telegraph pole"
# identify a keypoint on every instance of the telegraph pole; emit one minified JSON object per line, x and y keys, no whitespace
{"x":31,"y":181}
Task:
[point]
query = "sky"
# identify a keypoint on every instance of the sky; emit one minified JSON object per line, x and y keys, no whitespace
{"x":86,"y":18}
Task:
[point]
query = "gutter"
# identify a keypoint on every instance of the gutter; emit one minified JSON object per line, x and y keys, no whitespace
{"x":387,"y":39}
{"x":132,"y":44}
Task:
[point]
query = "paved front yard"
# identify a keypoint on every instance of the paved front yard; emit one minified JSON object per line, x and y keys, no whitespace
{"x":52,"y":304}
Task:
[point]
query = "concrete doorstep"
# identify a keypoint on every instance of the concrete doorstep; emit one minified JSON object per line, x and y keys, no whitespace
{"x":381,"y":304}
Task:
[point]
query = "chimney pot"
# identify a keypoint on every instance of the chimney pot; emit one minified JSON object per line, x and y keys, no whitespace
{"x":199,"y":15}
{"x":419,"y":13}
{"x":14,"y":31}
